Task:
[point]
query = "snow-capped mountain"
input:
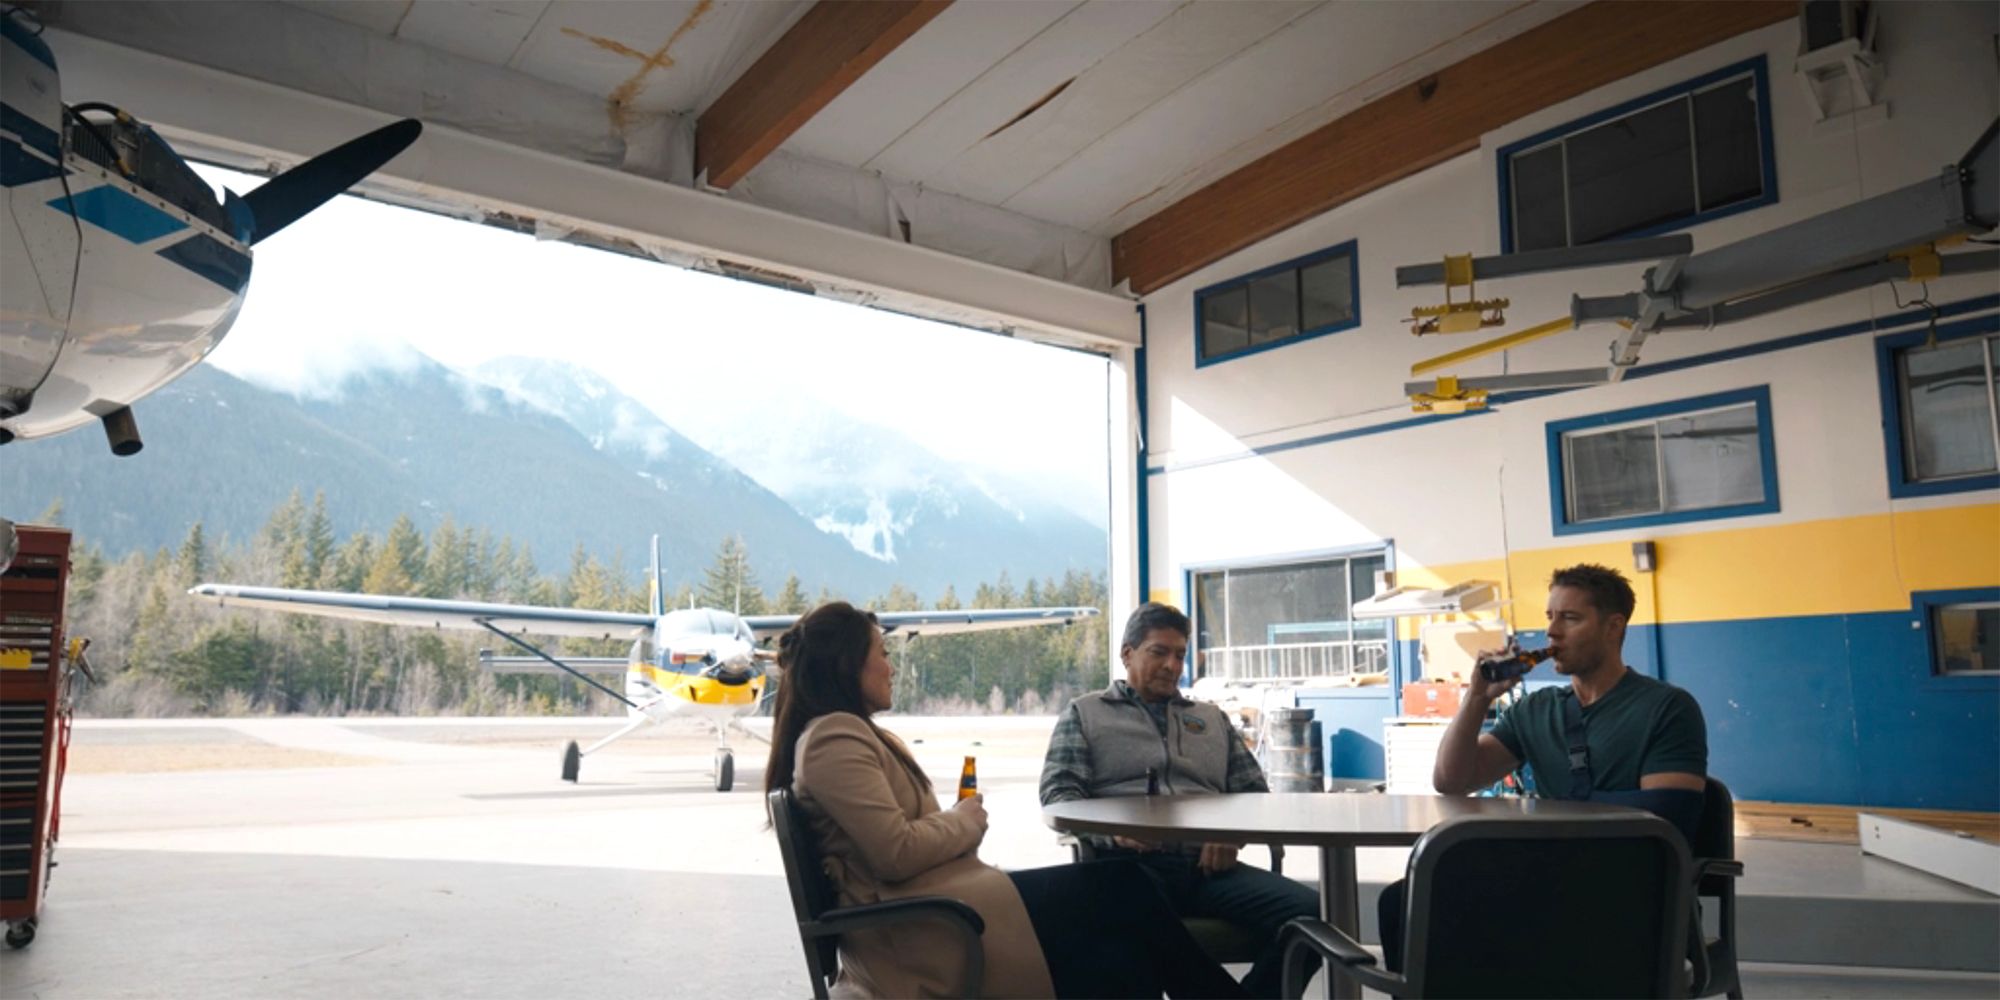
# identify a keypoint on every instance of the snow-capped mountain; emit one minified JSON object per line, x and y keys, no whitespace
{"x":928,"y":521}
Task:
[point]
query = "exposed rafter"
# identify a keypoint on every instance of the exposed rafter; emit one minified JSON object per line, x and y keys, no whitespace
{"x":1419,"y":126}
{"x":823,"y":54}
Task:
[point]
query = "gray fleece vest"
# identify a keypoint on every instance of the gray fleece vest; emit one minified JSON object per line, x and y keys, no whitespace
{"x":1192,"y":758}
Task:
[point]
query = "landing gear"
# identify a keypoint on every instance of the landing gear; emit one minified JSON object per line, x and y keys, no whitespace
{"x":20,"y":932}
{"x":572,"y":762}
{"x":725,"y":770}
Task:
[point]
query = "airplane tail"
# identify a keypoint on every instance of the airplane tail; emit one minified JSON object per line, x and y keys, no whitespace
{"x":656,"y":604}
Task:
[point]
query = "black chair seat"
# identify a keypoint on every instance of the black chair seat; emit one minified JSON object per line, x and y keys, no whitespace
{"x":1491,"y":901}
{"x":821,"y":922}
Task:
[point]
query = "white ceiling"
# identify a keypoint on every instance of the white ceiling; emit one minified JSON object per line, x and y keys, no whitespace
{"x":1022,"y":133}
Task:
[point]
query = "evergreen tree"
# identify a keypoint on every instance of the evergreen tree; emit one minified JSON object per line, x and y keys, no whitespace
{"x":318,"y":542}
{"x":390,"y":572}
{"x":729,"y":583}
{"x":191,"y":565}
{"x":792,"y":599}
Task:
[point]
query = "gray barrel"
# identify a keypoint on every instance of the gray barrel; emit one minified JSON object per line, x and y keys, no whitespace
{"x":1292,"y":761}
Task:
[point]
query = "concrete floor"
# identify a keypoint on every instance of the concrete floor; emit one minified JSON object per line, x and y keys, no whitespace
{"x":443,"y":858}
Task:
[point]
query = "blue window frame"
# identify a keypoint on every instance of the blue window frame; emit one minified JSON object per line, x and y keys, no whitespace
{"x":1692,"y":152}
{"x":1689,"y":460}
{"x":1961,"y":633}
{"x":1939,"y":415}
{"x":1302,"y":298}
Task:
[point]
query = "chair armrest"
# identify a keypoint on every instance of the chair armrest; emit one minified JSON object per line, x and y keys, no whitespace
{"x":1704,"y":867}
{"x":895,"y":911}
{"x":1344,"y":956}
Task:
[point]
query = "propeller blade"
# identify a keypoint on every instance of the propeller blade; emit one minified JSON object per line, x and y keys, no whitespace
{"x":284,"y":198}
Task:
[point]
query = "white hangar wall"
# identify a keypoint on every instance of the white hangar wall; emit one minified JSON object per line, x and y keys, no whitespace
{"x":1803,"y":627}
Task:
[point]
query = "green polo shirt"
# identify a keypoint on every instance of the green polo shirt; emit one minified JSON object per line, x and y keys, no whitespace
{"x":1640,"y":727}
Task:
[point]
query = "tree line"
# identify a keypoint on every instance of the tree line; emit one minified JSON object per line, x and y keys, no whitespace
{"x":158,"y":651}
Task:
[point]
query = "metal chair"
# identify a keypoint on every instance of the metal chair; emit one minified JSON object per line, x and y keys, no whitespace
{"x":821,"y":922}
{"x":1715,"y":873}
{"x":1226,"y":943}
{"x":1495,"y":903}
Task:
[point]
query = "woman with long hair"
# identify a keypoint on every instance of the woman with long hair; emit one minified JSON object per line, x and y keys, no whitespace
{"x":1099,"y":929}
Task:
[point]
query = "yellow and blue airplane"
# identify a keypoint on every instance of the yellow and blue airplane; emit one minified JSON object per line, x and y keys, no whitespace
{"x":703,"y":664}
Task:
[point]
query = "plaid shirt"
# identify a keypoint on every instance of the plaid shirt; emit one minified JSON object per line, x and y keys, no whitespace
{"x":1066,"y":770}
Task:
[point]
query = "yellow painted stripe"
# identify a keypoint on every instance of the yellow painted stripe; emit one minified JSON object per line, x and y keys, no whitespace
{"x":1854,"y":565}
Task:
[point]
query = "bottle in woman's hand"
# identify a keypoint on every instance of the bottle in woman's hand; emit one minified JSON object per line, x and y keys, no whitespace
{"x":975,"y":806}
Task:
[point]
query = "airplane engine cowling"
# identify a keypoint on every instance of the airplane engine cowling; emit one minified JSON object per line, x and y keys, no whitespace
{"x":733,"y":674}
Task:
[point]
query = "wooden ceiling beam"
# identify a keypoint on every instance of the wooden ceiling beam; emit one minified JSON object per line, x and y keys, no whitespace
{"x":1421,"y":125}
{"x":821,"y":56}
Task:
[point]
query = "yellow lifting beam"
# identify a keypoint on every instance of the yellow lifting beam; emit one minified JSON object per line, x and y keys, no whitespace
{"x":1496,"y":344}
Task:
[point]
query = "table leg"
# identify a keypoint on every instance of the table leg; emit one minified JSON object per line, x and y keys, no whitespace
{"x":1340,"y":907}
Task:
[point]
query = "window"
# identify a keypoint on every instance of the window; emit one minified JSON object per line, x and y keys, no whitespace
{"x":1686,"y":154}
{"x":1690,"y":460}
{"x":1945,"y":436}
{"x":1963,"y":628}
{"x":1306,"y":297}
{"x":1290,"y":621}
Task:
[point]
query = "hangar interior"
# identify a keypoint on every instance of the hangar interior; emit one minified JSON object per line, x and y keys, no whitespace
{"x":1218,"y":197}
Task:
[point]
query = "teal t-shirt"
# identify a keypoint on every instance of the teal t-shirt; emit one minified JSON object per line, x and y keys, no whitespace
{"x":1640,"y":727}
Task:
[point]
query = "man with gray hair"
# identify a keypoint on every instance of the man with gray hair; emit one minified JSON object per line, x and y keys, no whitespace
{"x":1141,"y":737}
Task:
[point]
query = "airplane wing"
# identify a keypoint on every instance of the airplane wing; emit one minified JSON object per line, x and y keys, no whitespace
{"x":916,"y":623}
{"x":496,"y":664}
{"x":423,"y":612}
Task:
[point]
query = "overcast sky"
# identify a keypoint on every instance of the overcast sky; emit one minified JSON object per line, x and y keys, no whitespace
{"x":357,"y":285}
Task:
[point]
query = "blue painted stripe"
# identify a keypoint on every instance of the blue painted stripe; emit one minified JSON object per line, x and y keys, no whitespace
{"x":212,"y":259}
{"x":39,"y":137}
{"x":18,"y":166}
{"x":120,"y":213}
{"x":1884,"y":325}
{"x":14,"y":31}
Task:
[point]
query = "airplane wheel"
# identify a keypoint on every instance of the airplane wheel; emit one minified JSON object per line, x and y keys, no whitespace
{"x":20,"y":933}
{"x":725,"y":771}
{"x":572,"y":761}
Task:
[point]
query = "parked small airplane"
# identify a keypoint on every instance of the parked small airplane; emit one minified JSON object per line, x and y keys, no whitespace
{"x":119,"y":269}
{"x":700,"y":663}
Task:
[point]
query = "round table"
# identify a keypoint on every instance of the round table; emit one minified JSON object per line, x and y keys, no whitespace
{"x":1336,"y":824}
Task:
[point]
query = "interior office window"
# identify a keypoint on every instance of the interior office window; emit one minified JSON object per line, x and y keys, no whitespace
{"x":1682,"y":155}
{"x":1706,"y":457}
{"x":1289,"y":622}
{"x":1965,"y":638}
{"x":1947,"y":393}
{"x":1306,"y":297}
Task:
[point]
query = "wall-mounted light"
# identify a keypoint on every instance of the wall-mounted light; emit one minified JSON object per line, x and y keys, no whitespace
{"x":1642,"y":556}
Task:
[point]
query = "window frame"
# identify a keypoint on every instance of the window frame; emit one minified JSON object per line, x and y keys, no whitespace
{"x":1756,"y":67}
{"x":1924,"y":605}
{"x":1298,"y":264}
{"x":1895,"y":422}
{"x":1192,"y":572}
{"x":1767,"y":450}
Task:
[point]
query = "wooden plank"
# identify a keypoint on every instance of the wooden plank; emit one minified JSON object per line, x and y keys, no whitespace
{"x":1838,"y":824}
{"x":1960,"y":857}
{"x":1424,"y":124}
{"x":823,"y":54}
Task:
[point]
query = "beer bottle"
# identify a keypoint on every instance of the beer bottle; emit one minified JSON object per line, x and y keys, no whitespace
{"x":968,"y":781}
{"x":1511,"y":662}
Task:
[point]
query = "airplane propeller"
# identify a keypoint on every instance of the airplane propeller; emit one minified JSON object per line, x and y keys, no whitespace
{"x":280,"y":201}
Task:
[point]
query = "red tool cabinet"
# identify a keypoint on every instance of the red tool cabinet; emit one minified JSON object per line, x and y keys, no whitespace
{"x":34,"y":722}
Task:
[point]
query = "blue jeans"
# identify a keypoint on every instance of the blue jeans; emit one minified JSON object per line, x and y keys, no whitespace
{"x":1249,"y":897}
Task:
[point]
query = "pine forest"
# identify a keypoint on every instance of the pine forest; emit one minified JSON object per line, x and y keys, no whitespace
{"x":157,"y":651}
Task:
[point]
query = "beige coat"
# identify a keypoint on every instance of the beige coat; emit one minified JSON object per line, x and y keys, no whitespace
{"x":883,"y":837}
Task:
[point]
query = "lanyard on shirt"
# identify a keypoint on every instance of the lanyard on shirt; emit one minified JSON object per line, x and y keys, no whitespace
{"x":1579,"y":749}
